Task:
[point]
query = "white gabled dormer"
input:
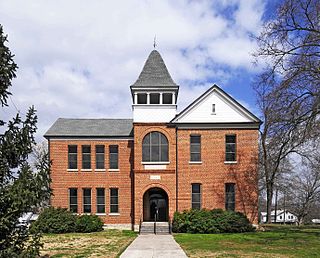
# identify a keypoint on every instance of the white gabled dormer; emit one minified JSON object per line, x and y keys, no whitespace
{"x":216,"y":108}
{"x":154,"y":94}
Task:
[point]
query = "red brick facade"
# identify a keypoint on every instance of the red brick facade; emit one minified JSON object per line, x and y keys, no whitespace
{"x":213,"y":173}
{"x":156,"y":180}
{"x":63,"y":179}
{"x":133,"y":178}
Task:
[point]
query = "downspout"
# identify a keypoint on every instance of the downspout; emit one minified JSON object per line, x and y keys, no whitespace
{"x":49,"y":155}
{"x":177,"y":169}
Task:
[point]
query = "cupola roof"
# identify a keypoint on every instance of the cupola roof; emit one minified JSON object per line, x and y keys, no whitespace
{"x":154,"y":73}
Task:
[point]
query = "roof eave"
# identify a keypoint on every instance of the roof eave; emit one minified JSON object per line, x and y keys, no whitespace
{"x":86,"y":136}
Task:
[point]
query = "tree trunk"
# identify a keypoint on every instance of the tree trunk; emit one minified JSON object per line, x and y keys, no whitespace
{"x":269,"y":201}
{"x":276,"y":206}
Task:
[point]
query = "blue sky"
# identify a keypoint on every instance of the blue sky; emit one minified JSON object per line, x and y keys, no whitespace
{"x":78,"y":58}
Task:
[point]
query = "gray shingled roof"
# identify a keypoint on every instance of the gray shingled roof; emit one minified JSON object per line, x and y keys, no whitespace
{"x":154,"y":73}
{"x":91,"y":128}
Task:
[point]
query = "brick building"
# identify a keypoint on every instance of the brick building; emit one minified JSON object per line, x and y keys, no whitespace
{"x":159,"y":162}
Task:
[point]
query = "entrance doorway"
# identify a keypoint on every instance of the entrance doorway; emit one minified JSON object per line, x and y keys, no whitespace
{"x":155,"y":204}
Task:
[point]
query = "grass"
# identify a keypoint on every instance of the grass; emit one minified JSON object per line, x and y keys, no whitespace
{"x":276,"y":241}
{"x":107,"y":243}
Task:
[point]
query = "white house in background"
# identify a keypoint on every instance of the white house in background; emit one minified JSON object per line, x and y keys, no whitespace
{"x":27,"y":218}
{"x":282,"y":216}
{"x":315,"y":221}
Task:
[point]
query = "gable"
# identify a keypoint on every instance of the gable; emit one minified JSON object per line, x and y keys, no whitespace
{"x":227,"y":110}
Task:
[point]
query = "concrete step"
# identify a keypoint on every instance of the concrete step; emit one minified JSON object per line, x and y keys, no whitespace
{"x":161,"y":228}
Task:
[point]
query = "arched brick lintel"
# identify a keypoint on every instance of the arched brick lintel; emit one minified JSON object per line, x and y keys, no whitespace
{"x":159,"y":129}
{"x":158,"y":185}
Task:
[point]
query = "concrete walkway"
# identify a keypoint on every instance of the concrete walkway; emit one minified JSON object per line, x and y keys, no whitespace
{"x":155,"y":246}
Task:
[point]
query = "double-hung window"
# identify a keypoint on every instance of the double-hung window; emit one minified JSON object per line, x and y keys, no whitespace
{"x":72,"y":157}
{"x":230,"y":196}
{"x":100,"y":156}
{"x":231,"y":148}
{"x":113,"y":156}
{"x":195,"y":148}
{"x":196,"y":196}
{"x":101,"y":201}
{"x":87,"y":200}
{"x":114,"y":200}
{"x":73,"y":200}
{"x":86,"y":156}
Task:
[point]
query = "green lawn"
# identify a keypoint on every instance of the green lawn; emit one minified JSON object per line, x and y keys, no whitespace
{"x":276,"y":241}
{"x":107,"y":243}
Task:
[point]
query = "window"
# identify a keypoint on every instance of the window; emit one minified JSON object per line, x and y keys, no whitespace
{"x":155,"y":147}
{"x":142,"y":98}
{"x":87,"y":200}
{"x":114,"y":200}
{"x":86,"y":156}
{"x":230,"y":197}
{"x":113,"y":156}
{"x":72,"y":157}
{"x":280,"y":217}
{"x":196,"y":196}
{"x":195,"y":148}
{"x":101,"y":206}
{"x":100,"y":156}
{"x":230,"y":148}
{"x":154,"y":98}
{"x":213,"y":108}
{"x":73,"y":200}
{"x":167,"y":98}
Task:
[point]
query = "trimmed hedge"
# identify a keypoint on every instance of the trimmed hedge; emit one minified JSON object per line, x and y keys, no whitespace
{"x":60,"y":220}
{"x":54,"y":220}
{"x":88,"y":223}
{"x":210,"y":221}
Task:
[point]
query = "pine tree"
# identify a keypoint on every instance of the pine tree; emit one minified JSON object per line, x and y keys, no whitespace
{"x":23,"y":187}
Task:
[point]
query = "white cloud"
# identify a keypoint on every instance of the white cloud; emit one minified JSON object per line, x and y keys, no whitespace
{"x":248,"y":15}
{"x":78,"y":58}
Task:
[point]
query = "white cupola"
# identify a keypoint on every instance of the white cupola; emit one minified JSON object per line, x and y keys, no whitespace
{"x":154,"y":94}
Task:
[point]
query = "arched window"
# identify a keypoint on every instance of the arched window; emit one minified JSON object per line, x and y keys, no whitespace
{"x":155,"y":147}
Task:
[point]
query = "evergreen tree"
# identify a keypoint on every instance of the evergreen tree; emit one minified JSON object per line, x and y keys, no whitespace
{"x":23,"y":187}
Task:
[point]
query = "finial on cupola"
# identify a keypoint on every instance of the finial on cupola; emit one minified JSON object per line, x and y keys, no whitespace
{"x":154,"y":42}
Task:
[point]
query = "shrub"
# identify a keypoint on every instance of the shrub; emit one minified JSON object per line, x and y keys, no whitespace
{"x":60,"y":220}
{"x":88,"y":223}
{"x":210,"y":221}
{"x":54,"y":220}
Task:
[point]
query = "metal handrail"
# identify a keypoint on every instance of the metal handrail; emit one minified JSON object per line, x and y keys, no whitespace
{"x":155,"y":224}
{"x":140,"y":223}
